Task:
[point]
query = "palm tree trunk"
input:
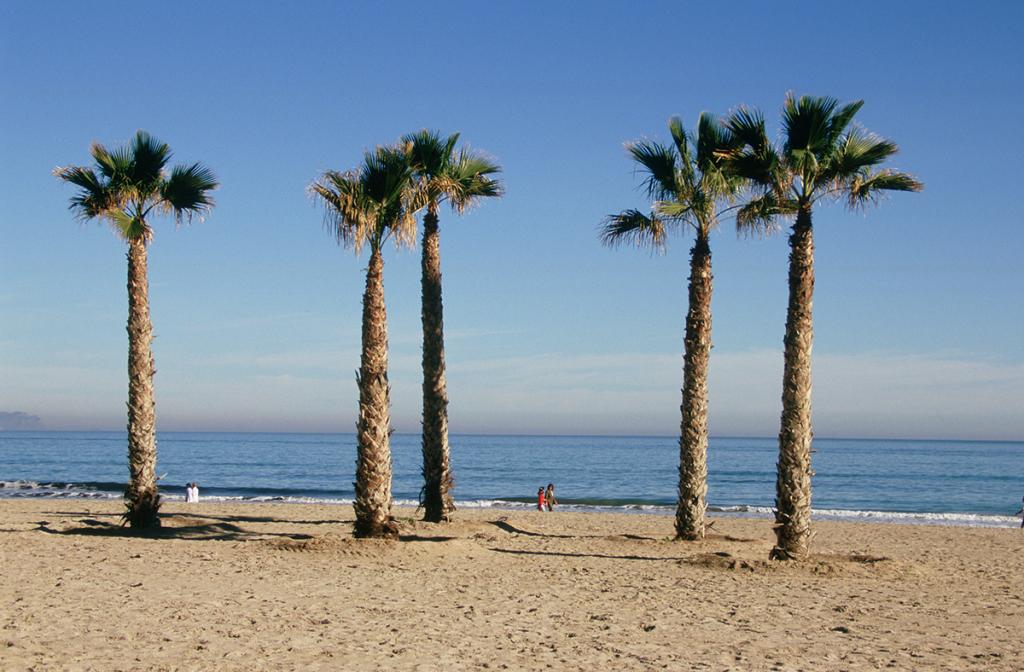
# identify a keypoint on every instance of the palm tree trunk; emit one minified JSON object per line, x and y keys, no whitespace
{"x":141,"y":497}
{"x":793,"y":483}
{"x":373,"y":461}
{"x":437,"y":490}
{"x":693,"y":441}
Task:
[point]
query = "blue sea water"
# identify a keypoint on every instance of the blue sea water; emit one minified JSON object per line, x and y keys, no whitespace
{"x":945,"y":482}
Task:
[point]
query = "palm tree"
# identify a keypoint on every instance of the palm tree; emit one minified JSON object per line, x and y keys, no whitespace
{"x":688,"y":191}
{"x":823,"y":157}
{"x":461,"y":178}
{"x":126,"y":187}
{"x":367,"y":206}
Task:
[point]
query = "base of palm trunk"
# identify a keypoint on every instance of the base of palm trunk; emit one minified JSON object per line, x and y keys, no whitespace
{"x":437,"y":507}
{"x":437,"y":517}
{"x":690,"y":535}
{"x":792,"y":542}
{"x":141,"y":511}
{"x":370,"y":529}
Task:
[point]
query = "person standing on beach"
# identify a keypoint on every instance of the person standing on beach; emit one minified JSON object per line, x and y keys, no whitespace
{"x":189,"y":494}
{"x":195,"y":493}
{"x":540,"y":498}
{"x":1021,"y":513}
{"x":549,"y":497}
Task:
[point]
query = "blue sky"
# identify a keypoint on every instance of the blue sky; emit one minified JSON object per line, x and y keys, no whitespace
{"x":919,"y":322}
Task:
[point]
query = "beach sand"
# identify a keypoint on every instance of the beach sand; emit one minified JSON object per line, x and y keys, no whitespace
{"x":283,"y":587}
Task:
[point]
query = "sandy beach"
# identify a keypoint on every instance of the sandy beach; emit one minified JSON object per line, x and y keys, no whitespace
{"x":281,"y":587}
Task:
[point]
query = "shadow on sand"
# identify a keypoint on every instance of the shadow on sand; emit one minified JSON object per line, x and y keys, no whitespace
{"x":188,"y":514}
{"x":605,"y":556}
{"x":505,"y":526}
{"x":196,"y":531}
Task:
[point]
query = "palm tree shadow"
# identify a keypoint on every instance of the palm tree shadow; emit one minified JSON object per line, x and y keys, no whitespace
{"x":504,"y":525}
{"x":216,"y":531}
{"x":187,"y":514}
{"x":605,"y":556}
{"x":256,"y":519}
{"x":417,"y":537}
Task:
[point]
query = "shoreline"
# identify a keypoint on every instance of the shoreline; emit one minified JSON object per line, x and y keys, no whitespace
{"x":63,"y":491}
{"x":237,"y":586}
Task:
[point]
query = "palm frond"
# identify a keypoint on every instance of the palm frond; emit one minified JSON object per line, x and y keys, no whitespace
{"x":634,"y":228}
{"x":867,"y":188}
{"x":93,"y":198}
{"x":807,"y":122}
{"x":471,"y":179}
{"x":760,"y":168}
{"x":148,"y":158}
{"x":855,"y":152}
{"x":758,"y":216}
{"x":114,"y":166}
{"x":682,"y":142}
{"x":187,"y":191}
{"x":659,"y":162}
{"x":841,"y":120}
{"x":714,"y":144}
{"x":129,"y":227}
{"x":430,"y":152}
{"x":751,"y":155}
{"x":747,"y":125}
{"x":376,"y":201}
{"x":678,"y":210}
{"x":347,"y":214}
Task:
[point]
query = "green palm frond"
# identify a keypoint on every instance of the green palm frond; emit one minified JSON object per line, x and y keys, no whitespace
{"x":674,"y":209}
{"x":93,"y":199}
{"x":855,"y":152}
{"x":714,"y":144}
{"x":461,"y":177}
{"x":659,"y":163}
{"x":867,"y":187}
{"x":752,"y":157}
{"x":130,"y":181}
{"x":634,"y":228}
{"x":187,"y":191}
{"x":823,"y":156}
{"x":682,"y":142}
{"x":748,"y":127}
{"x":841,"y":121}
{"x":760,"y":168}
{"x":373,"y":202}
{"x":685,"y":190}
{"x":147,"y":158}
{"x":116,"y":167}
{"x":714,"y":141}
{"x":430,"y":152}
{"x":759,"y":215}
{"x":471,"y":180}
{"x":385,"y":173}
{"x":807,"y":123}
{"x":129,"y":227}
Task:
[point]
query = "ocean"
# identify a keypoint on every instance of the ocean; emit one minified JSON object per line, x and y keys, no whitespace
{"x":973,"y":483}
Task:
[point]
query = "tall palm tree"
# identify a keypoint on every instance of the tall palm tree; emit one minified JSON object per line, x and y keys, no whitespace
{"x":367,"y":206}
{"x":688,"y":191}
{"x":127,"y":186}
{"x":460,"y":178}
{"x":823,"y":157}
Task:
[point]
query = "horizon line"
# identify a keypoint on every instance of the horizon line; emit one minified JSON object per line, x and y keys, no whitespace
{"x":513,"y":434}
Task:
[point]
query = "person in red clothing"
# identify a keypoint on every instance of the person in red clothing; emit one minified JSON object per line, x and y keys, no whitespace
{"x":540,"y":499}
